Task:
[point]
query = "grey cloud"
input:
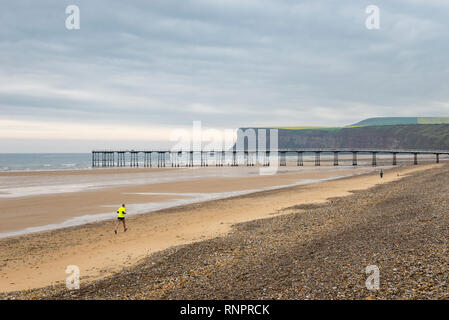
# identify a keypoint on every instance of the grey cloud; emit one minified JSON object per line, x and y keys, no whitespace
{"x":256,"y":62}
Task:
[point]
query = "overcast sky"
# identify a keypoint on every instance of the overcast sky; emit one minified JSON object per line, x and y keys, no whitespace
{"x":135,"y":71}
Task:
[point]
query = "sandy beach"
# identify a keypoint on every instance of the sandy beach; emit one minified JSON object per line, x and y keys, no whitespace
{"x":39,"y":259}
{"x":318,"y":251}
{"x":46,"y":200}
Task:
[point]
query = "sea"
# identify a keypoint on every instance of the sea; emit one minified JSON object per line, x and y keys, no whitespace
{"x":44,"y":161}
{"x":80,"y":161}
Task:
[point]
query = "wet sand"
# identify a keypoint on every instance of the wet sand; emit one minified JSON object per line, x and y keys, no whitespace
{"x":44,"y":209}
{"x":38,"y":260}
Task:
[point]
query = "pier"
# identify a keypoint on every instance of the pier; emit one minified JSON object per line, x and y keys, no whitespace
{"x":170,"y":158}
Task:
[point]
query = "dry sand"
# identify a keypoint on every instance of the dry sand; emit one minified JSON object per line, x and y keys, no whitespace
{"x":39,"y":260}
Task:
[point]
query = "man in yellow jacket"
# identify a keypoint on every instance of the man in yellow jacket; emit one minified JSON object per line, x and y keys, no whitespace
{"x":121,"y":218}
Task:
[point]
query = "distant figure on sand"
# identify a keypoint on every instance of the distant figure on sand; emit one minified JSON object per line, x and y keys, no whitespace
{"x":121,"y":218}
{"x":381,"y":173}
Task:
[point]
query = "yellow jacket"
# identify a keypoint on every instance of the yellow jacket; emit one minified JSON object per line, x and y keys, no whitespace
{"x":121,"y":212}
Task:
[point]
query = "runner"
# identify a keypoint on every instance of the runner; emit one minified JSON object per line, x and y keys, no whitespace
{"x":121,"y":218}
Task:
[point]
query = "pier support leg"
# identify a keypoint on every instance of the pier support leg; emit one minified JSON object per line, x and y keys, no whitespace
{"x":190,"y":161}
{"x":437,"y":155}
{"x":148,"y":159}
{"x":374,"y":162}
{"x":223,"y":158}
{"x":250,"y":159}
{"x":317,"y":158}
{"x":354,"y":158}
{"x":217,"y":159}
{"x":283,"y":159}
{"x":203,"y":159}
{"x":394,"y":158}
{"x":267,"y":159}
{"x":136,"y":159}
{"x":415,"y":158}
{"x":335,"y":158}
{"x":300,"y":159}
{"x":234,"y":158}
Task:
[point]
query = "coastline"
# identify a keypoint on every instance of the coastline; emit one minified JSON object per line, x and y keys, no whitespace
{"x":38,"y":260}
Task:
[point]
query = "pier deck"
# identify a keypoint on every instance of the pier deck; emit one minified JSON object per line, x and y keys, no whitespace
{"x":166,"y":158}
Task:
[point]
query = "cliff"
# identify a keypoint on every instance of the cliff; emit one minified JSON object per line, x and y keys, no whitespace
{"x":403,"y":136}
